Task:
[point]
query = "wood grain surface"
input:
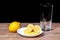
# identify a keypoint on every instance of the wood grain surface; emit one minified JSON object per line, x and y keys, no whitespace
{"x":47,"y":35}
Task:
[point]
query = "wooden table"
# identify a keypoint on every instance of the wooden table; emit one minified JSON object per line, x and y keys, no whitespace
{"x":47,"y":35}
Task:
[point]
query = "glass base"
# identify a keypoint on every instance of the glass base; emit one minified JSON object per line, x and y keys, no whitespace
{"x":46,"y":25}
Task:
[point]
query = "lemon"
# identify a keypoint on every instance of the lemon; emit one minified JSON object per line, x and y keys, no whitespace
{"x":28,"y":28}
{"x":14,"y":26}
{"x":37,"y":28}
{"x":32,"y":29}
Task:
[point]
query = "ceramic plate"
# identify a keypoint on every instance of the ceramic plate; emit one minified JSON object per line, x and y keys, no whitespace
{"x":21,"y":32}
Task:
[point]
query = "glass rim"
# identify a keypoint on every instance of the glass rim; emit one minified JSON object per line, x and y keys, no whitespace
{"x":45,"y":4}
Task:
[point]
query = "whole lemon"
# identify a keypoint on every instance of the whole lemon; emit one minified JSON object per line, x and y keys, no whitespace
{"x":14,"y":26}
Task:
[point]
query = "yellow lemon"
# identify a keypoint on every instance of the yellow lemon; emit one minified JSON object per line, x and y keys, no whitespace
{"x":14,"y":26}
{"x":37,"y":28}
{"x":28,"y":28}
{"x":32,"y":29}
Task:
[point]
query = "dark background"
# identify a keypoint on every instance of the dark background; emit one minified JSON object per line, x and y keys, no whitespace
{"x":25,"y":11}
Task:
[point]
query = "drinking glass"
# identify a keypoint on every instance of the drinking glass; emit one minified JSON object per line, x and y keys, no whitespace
{"x":46,"y":13}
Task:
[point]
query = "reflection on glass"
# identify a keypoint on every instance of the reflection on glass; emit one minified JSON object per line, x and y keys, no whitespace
{"x":46,"y":13}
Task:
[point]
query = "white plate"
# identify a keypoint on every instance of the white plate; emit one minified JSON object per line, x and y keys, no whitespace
{"x":21,"y":32}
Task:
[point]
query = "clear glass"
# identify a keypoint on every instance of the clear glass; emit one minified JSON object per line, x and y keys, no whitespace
{"x":46,"y":13}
